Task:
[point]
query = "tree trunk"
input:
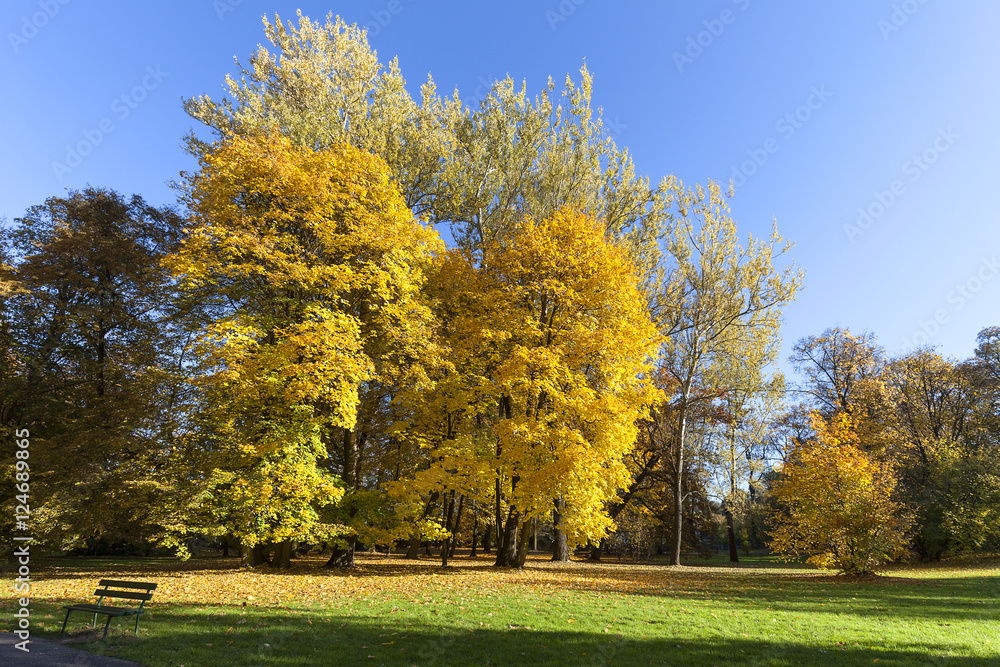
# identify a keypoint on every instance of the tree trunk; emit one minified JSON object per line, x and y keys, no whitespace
{"x":475,"y":529}
{"x":256,"y":555}
{"x":283,"y":555}
{"x":534,"y":534}
{"x":458,"y":522}
{"x":734,"y":556}
{"x":413,"y":551}
{"x":598,"y":551}
{"x":343,"y":557}
{"x":449,"y":518}
{"x":523,"y":539}
{"x":498,"y":514}
{"x":488,"y":539}
{"x":675,"y":554}
{"x":507,"y":549}
{"x":560,"y":548}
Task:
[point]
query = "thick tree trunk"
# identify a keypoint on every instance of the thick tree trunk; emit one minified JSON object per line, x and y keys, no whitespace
{"x":734,"y":556}
{"x":598,"y":551}
{"x":413,"y":551}
{"x":225,"y":548}
{"x":343,"y":557}
{"x":255,"y":556}
{"x":449,"y":526}
{"x":498,"y":514}
{"x":560,"y":548}
{"x":458,"y":522}
{"x":507,"y":549}
{"x":475,"y":529}
{"x":283,"y":555}
{"x":534,"y":534}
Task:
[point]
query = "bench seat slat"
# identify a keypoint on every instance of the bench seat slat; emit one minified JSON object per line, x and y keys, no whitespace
{"x":102,"y":609}
{"x":125,"y":595}
{"x":127,"y":584}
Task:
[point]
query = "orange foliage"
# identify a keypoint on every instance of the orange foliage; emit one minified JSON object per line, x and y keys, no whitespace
{"x":838,"y":506}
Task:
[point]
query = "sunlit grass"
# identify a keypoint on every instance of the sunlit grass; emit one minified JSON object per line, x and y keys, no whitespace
{"x":397,"y":612}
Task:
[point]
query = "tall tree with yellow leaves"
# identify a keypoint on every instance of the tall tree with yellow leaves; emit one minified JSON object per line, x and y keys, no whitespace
{"x":551,"y":345}
{"x":478,"y":168}
{"x":313,"y":265}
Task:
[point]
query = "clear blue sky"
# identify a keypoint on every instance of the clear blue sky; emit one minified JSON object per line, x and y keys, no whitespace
{"x":887,"y":81}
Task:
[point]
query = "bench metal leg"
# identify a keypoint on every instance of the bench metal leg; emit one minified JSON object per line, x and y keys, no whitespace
{"x":64,"y":621}
{"x":137,"y":624}
{"x":106,"y":628}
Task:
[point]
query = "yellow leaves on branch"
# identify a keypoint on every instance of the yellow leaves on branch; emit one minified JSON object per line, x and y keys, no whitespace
{"x":839,"y":507}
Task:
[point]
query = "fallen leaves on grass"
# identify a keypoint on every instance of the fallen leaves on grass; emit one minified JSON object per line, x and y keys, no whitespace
{"x":377,"y":580}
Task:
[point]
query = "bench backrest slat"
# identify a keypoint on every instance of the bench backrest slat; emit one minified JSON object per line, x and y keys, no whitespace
{"x":127,"y":584}
{"x":125,"y":595}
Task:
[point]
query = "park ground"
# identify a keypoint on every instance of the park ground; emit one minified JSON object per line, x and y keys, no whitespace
{"x":389,"y":611}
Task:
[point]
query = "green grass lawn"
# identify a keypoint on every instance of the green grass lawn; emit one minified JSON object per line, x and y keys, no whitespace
{"x":394,"y":612}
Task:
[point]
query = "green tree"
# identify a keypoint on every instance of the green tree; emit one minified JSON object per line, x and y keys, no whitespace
{"x":88,"y":347}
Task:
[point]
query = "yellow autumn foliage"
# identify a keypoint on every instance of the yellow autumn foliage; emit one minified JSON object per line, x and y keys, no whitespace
{"x":309,"y":266}
{"x":550,"y":343}
{"x":838,"y":505}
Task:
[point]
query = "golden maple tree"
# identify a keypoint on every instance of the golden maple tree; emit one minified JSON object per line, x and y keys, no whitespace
{"x":311,"y":265}
{"x":550,"y":343}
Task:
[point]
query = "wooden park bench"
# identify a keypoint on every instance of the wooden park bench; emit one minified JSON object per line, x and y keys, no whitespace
{"x":109,"y":590}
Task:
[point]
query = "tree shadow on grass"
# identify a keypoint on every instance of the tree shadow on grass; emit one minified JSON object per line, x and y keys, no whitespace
{"x":403,"y":642}
{"x":943,"y":599}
